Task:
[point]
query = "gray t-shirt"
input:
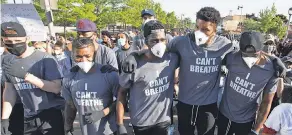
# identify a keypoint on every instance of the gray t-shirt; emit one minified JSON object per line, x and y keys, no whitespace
{"x":244,"y":86}
{"x":123,"y":54}
{"x":199,"y":69}
{"x":35,"y":100}
{"x":92,"y":92}
{"x":105,"y":56}
{"x":151,"y":90}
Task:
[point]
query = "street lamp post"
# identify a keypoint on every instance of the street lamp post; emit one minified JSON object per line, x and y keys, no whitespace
{"x":288,"y":24}
{"x":290,"y":14}
{"x":240,"y":7}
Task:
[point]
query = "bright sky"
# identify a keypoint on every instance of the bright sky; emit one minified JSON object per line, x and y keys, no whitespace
{"x":190,"y":7}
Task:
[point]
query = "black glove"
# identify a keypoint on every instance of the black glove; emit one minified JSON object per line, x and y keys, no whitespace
{"x":15,"y":69}
{"x":74,"y":69}
{"x":4,"y":127}
{"x":108,"y":69}
{"x":280,"y":69}
{"x":122,"y":130}
{"x":93,"y":116}
{"x":129,"y":65}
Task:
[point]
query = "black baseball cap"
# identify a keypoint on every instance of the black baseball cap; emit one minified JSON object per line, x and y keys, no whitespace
{"x":147,"y":12}
{"x":12,"y":29}
{"x":254,"y":39}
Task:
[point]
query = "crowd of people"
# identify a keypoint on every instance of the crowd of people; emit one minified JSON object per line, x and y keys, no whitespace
{"x":238,"y":84}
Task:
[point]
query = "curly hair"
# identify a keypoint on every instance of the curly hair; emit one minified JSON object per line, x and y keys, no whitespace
{"x":209,"y":14}
{"x":152,"y":25}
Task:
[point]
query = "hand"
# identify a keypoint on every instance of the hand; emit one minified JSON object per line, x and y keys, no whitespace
{"x":129,"y":65}
{"x":69,"y":133}
{"x":280,"y":69}
{"x":12,"y":68}
{"x":93,"y":116}
{"x":108,"y":69}
{"x":122,"y":130}
{"x":4,"y":127}
{"x":69,"y":129}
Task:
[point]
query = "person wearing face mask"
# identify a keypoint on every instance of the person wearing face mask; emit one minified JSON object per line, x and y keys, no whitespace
{"x":103,"y":54}
{"x":90,"y":91}
{"x":251,"y":74}
{"x":151,"y":86}
{"x":15,"y":126}
{"x":63,"y":59}
{"x":280,"y":120}
{"x":125,"y":48}
{"x":34,"y":77}
{"x":270,"y":46}
{"x":201,"y":53}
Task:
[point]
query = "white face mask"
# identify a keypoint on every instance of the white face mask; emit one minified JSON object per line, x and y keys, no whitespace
{"x":85,"y":66}
{"x":122,"y":42}
{"x":201,"y":38}
{"x":158,"y":49}
{"x":250,"y":61}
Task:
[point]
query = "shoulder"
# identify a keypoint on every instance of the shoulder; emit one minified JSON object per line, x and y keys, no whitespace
{"x":68,"y":78}
{"x":284,"y":107}
{"x":104,"y":49}
{"x":223,"y":42}
{"x":7,"y":57}
{"x":179,"y":39}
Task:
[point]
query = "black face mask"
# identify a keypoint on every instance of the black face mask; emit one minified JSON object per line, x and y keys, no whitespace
{"x":16,"y":49}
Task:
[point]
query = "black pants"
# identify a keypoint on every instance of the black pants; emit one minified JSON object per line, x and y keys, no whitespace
{"x":158,"y":129}
{"x":201,"y":117}
{"x":16,"y":120}
{"x":227,"y":127}
{"x":48,"y":122}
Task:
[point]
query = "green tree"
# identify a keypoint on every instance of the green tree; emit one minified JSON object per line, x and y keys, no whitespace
{"x":283,"y":17}
{"x":71,"y":10}
{"x":251,"y":24}
{"x":268,"y":22}
{"x":3,"y":1}
{"x":171,"y":20}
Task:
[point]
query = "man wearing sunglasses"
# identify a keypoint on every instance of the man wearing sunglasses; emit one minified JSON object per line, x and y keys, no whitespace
{"x":34,"y":77}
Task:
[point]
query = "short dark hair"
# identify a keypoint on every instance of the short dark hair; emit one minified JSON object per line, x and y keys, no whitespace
{"x":59,"y":44}
{"x":82,"y":43}
{"x":152,"y":25}
{"x":287,"y":94}
{"x":209,"y":14}
{"x":106,"y":33}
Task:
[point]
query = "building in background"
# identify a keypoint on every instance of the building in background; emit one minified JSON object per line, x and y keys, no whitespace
{"x":233,"y":24}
